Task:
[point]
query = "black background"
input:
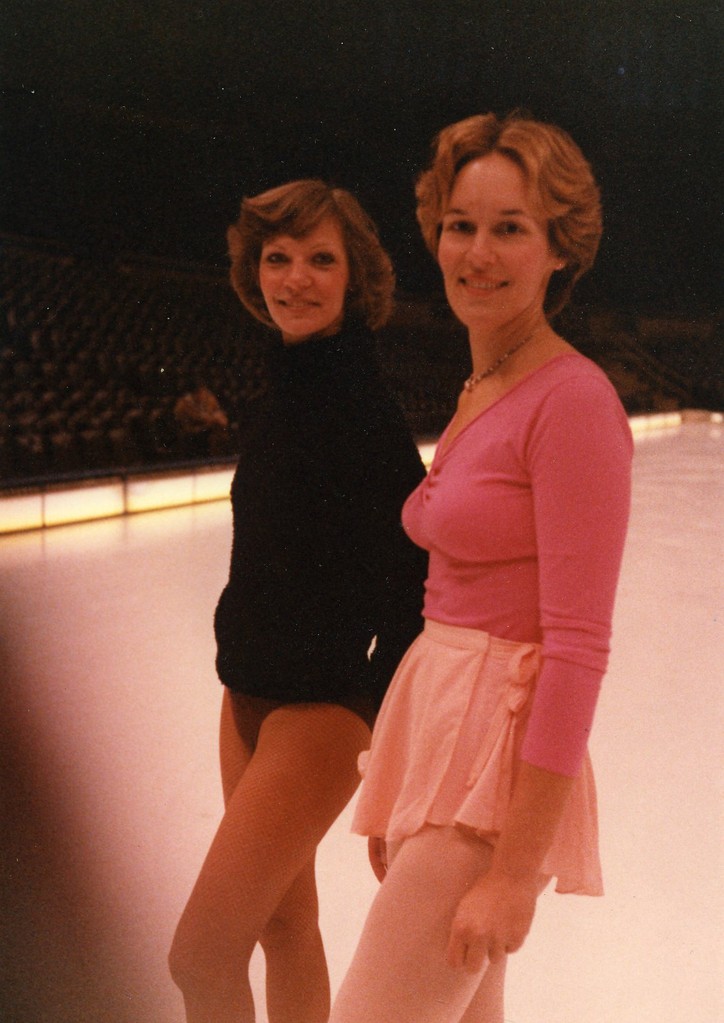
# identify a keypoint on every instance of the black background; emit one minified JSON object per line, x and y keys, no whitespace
{"x":138,"y":126}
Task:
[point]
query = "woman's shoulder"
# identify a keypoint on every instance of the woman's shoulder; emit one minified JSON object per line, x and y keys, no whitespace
{"x":571,"y":373}
{"x":575,"y":398}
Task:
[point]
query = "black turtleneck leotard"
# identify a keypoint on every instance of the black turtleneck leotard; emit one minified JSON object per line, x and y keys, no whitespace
{"x":319,"y":563}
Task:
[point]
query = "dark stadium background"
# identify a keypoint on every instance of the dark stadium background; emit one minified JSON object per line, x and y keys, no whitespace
{"x":131,"y":130}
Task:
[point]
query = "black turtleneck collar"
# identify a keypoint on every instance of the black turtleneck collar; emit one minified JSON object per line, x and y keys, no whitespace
{"x":350,"y":349}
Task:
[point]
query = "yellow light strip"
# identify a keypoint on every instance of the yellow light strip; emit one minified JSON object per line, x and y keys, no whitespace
{"x":212,"y":484}
{"x":21,"y":511}
{"x":654,"y":423}
{"x":82,"y":502}
{"x":55,"y":505}
{"x":148,"y":493}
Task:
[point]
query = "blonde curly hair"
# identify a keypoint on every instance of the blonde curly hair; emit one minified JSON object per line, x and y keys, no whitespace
{"x":559,"y":176}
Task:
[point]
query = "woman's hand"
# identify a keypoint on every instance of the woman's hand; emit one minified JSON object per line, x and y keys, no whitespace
{"x":494,"y":916}
{"x":492,"y":919}
{"x":377,"y":852}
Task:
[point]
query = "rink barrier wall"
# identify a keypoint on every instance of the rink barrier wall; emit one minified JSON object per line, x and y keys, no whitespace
{"x":58,"y":504}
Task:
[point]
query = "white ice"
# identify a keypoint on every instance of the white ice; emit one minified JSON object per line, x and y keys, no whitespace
{"x":110,"y":786}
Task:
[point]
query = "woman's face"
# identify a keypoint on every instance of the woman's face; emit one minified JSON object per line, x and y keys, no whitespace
{"x":304,"y":282}
{"x":493,"y":251}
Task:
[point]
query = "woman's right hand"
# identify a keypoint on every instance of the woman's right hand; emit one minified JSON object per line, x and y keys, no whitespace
{"x":377,"y":852}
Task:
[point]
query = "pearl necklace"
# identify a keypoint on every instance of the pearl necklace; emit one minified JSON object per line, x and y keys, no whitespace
{"x":475,"y":378}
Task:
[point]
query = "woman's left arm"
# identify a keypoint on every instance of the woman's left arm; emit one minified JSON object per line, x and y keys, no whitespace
{"x":387,"y":467}
{"x":493,"y":918}
{"x":579,"y":454}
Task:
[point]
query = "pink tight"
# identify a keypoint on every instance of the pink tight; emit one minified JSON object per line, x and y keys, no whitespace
{"x":288,"y":770}
{"x":399,"y":973}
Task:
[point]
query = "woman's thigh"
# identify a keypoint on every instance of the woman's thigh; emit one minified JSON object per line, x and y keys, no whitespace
{"x":241,"y":719}
{"x":298,"y":779}
{"x":399,"y":972}
{"x":234,"y":752}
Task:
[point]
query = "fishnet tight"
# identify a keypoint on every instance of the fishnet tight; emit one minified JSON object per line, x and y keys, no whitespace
{"x":288,"y":770}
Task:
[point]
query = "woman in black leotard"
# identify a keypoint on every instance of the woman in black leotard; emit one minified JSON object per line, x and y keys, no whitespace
{"x":321,"y":573}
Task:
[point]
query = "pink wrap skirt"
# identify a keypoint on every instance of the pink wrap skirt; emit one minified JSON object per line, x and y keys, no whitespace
{"x":446,"y":746}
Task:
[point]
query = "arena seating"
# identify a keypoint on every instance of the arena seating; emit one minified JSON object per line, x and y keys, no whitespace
{"x":95,"y":352}
{"x":93,"y":359}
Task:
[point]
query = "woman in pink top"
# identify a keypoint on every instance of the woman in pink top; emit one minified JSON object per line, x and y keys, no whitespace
{"x":478,"y":787}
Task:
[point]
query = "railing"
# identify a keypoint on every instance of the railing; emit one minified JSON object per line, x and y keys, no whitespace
{"x":81,"y":500}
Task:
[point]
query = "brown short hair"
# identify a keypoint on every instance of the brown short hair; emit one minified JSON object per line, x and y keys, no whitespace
{"x":558,"y":174}
{"x":296,"y":209}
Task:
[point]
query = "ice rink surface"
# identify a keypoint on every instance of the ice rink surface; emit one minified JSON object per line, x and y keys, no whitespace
{"x":110,"y":790}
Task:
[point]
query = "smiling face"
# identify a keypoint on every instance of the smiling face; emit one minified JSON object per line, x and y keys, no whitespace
{"x":494,"y":252}
{"x":304,"y":282}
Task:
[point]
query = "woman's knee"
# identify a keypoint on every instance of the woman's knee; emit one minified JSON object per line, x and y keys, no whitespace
{"x":289,"y":930}
{"x":202,"y":959}
{"x":184,"y":966}
{"x":295,"y":921}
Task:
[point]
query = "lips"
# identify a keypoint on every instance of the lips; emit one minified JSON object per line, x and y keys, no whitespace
{"x":483,"y":285}
{"x":297,"y":303}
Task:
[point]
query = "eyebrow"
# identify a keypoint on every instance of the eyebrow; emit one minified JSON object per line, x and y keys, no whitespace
{"x":317,"y":245}
{"x":455,"y":211}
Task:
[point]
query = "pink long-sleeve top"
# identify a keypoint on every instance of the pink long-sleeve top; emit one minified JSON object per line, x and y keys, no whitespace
{"x":524,"y":515}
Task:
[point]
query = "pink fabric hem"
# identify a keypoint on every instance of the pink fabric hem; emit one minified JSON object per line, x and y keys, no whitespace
{"x":447,"y":743}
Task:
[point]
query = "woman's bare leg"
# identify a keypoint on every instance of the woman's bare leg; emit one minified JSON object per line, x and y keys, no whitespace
{"x":297,"y":981}
{"x":257,"y":881}
{"x":237,"y":742}
{"x":296,"y":967}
